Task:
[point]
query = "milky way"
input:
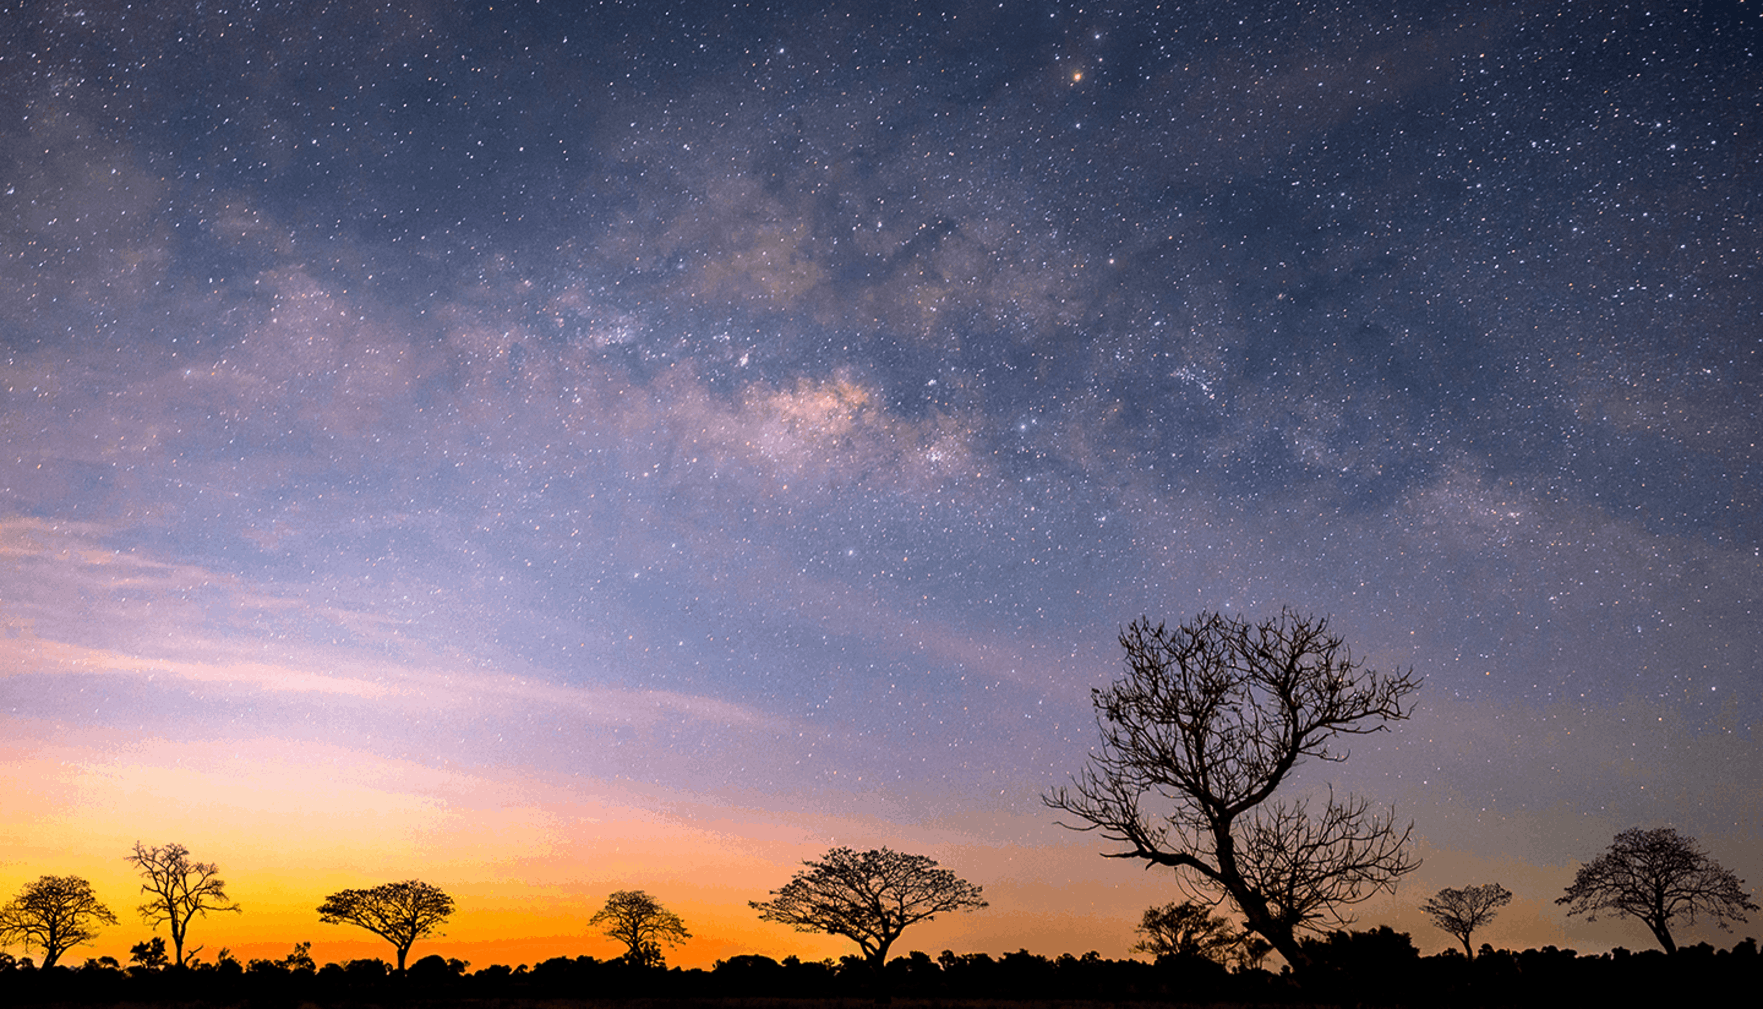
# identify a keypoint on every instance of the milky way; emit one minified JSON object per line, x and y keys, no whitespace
{"x":793,"y":401}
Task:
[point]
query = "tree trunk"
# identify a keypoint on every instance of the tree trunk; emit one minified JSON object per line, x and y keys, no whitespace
{"x":1287,"y":944}
{"x":1253,"y":906}
{"x":1662,"y":933}
{"x":879,"y":969}
{"x":1256,"y":916}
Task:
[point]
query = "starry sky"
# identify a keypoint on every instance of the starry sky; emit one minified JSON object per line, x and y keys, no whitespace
{"x":549,"y":448}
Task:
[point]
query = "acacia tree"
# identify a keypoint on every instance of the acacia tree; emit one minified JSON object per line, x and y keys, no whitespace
{"x":642,"y":924}
{"x":1208,"y":723}
{"x":1461,"y":912}
{"x":56,"y":913}
{"x":869,"y":897}
{"x":178,"y":890}
{"x":399,"y":913}
{"x":1658,"y":875}
{"x":1185,"y":929}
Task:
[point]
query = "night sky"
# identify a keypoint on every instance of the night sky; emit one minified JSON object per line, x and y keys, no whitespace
{"x":551,"y":448}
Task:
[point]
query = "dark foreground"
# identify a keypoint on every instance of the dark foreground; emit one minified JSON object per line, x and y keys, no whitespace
{"x":1374,"y":968}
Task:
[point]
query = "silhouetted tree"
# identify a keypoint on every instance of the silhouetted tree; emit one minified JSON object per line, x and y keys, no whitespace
{"x":1375,"y":965}
{"x":56,"y":913}
{"x":1249,"y":951}
{"x":869,"y":897}
{"x":1207,"y":724}
{"x":1184,"y":929}
{"x":437,"y":974}
{"x":748,"y":975}
{"x":399,"y":913}
{"x":178,"y":890}
{"x":642,"y":924}
{"x":1461,"y":912}
{"x":149,"y":954}
{"x":1657,"y":875}
{"x":298,"y":959}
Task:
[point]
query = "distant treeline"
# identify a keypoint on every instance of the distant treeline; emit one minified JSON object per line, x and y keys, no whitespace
{"x":1379,"y":967}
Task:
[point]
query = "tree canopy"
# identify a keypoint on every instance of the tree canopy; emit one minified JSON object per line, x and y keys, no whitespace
{"x":869,"y":897}
{"x":149,"y":953}
{"x":642,"y":924}
{"x":55,"y":914}
{"x":1185,"y":929}
{"x":1462,"y":911}
{"x":1199,"y":736}
{"x":1658,"y":876}
{"x":400,"y":913}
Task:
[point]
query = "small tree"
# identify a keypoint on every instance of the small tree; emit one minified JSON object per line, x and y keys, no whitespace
{"x":178,"y":890}
{"x":1249,"y":951}
{"x":149,"y":954}
{"x":299,"y":958}
{"x":1185,"y":929}
{"x":642,"y":924}
{"x":400,"y":913}
{"x":1461,"y":912}
{"x":1207,"y":724}
{"x":868,"y":897}
{"x":1656,"y":876}
{"x":56,"y":913}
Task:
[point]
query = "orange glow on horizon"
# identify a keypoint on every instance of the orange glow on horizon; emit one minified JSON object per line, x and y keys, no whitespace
{"x":529,"y":861}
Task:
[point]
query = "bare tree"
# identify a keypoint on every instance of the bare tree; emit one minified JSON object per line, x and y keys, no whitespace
{"x":869,"y":897}
{"x":1658,"y":875}
{"x":1461,"y":912}
{"x":642,"y":924}
{"x":1185,"y":929}
{"x":178,"y":890}
{"x":1205,"y":727}
{"x":400,"y":913}
{"x":56,"y":913}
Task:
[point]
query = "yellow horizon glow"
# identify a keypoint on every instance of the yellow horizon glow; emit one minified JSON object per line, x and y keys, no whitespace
{"x":529,"y":860}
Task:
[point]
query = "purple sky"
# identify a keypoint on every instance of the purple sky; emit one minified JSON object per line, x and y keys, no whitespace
{"x":783,"y":406}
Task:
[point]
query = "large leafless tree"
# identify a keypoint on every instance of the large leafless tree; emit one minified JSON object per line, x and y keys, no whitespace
{"x":178,"y":890}
{"x":642,"y":924}
{"x":869,"y":897}
{"x":54,"y":914}
{"x":400,"y":913}
{"x":1462,"y":911}
{"x":1197,"y":739}
{"x":1657,"y":876}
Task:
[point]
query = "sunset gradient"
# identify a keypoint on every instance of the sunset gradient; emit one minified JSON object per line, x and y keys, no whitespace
{"x":549,"y":449}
